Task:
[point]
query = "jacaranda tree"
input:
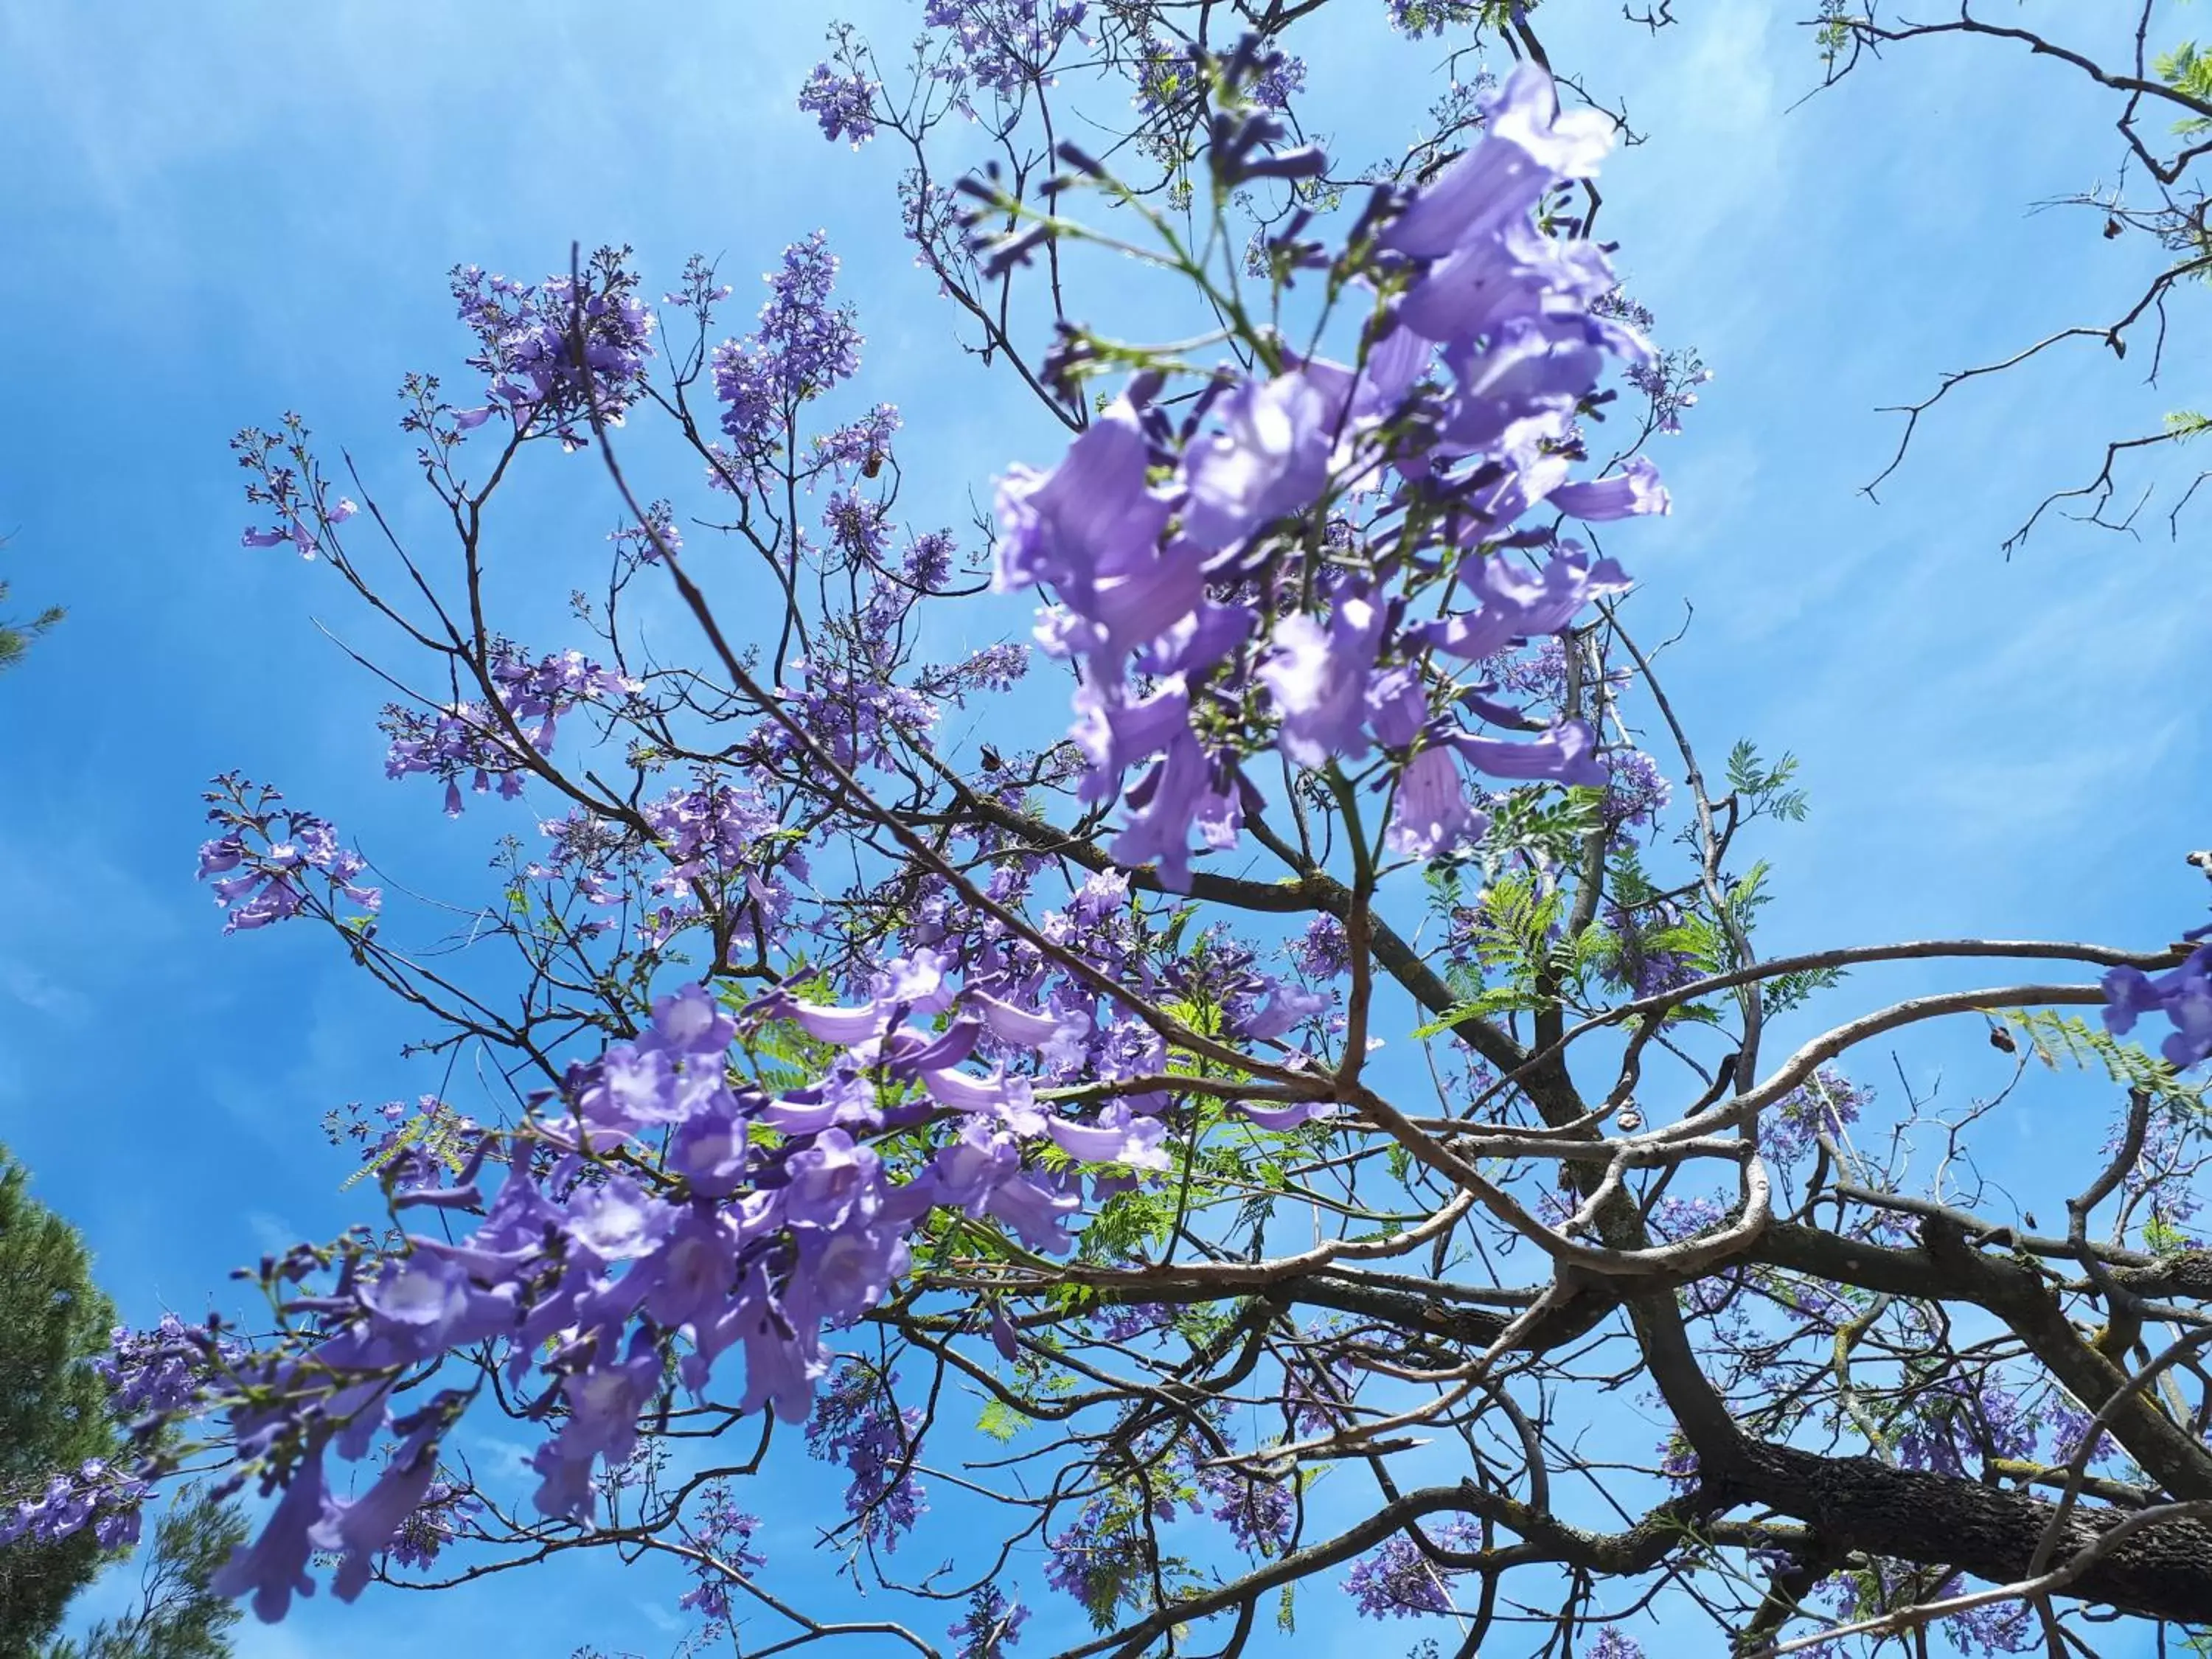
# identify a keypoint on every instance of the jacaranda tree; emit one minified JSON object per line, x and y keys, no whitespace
{"x":1261,"y":1091}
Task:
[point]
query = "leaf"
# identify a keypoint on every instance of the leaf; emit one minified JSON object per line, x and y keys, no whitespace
{"x":2059,"y":1040}
{"x":1498,"y":1000}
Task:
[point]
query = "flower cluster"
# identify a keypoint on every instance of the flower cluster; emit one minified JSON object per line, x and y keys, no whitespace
{"x":2183,"y":996}
{"x":432,"y":1523}
{"x":726,"y":1533}
{"x":1636,"y":790}
{"x":857,"y":1423}
{"x":467,"y":739}
{"x":1323,"y":951}
{"x":96,"y":1495}
{"x":718,"y":834}
{"x":552,"y":349}
{"x":164,"y":1372}
{"x":1002,"y":46}
{"x":2163,"y":1180}
{"x":990,"y":1627}
{"x":267,"y":861}
{"x":764,"y":1222}
{"x":1826,"y":1104}
{"x":287,"y":483}
{"x":1260,"y":1515}
{"x":802,"y":347}
{"x":843,"y":103}
{"x":856,"y":716}
{"x":1398,"y":1579}
{"x":1996,"y":1627}
{"x":1954,"y":1426}
{"x":1180,"y":552}
{"x":1647,"y":960}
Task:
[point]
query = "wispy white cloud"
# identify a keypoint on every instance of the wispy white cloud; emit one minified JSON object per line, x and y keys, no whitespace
{"x":41,"y":993}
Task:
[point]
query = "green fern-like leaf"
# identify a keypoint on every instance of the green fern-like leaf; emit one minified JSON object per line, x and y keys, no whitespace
{"x":2059,"y":1040}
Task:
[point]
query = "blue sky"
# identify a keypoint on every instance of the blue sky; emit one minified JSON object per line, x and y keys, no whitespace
{"x":219,"y":212}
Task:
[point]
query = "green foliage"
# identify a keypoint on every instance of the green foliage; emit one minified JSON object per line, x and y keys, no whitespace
{"x":1537,"y":824}
{"x":52,"y":1406}
{"x":1784,"y":992}
{"x":1518,"y":934}
{"x":16,"y":636}
{"x":2060,"y":1039}
{"x":2188,"y":71}
{"x":1000,"y":1421}
{"x":1115,"y":1555}
{"x":783,"y":1056}
{"x":439,"y":1131}
{"x":177,"y":1617}
{"x":1765,"y":791}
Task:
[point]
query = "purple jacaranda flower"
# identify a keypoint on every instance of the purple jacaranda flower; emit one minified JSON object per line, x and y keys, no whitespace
{"x":1115,"y":733}
{"x":1005,"y":1098}
{"x":1323,"y":951}
{"x":1635,"y":489}
{"x":1518,"y":604}
{"x":1511,"y":276}
{"x":1280,"y":1118}
{"x":690,"y":1277}
{"x":274,"y":1567}
{"x":1431,"y":813}
{"x":1398,"y":1581}
{"x":359,"y":1530}
{"x":1514,"y":391}
{"x":842,"y":1274}
{"x":710,"y":1147}
{"x":1562,"y":754}
{"x":783,"y":1358}
{"x":830,"y":1181}
{"x":1039,"y":1218}
{"x":916,"y":983}
{"x":1052,"y":1034}
{"x":1288,"y":1006}
{"x":604,"y":1402}
{"x":1259,"y":1514}
{"x":1527,"y":146}
{"x":271,"y":856}
{"x":1269,"y":456}
{"x":426,"y":1304}
{"x":690,"y":1022}
{"x":528,"y":337}
{"x":1319,"y":678}
{"x":1096,"y":509}
{"x":1828,"y":1102}
{"x":843,"y":1025}
{"x":1636,"y":790}
{"x":620,"y":1220}
{"x":2183,"y":995}
{"x":966,"y":1172}
{"x":1114,"y":1137}
{"x":802,"y":347}
{"x":1184,"y":789}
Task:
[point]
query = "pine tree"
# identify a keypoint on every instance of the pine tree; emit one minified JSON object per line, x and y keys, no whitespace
{"x":52,"y":1416}
{"x":177,"y":1616}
